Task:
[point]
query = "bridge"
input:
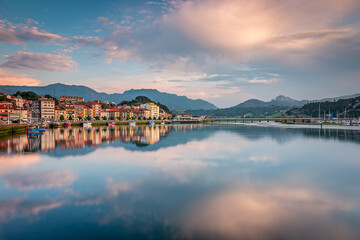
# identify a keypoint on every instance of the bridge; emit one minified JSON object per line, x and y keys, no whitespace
{"x":243,"y":120}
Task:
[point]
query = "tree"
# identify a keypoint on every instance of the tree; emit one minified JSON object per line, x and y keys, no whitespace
{"x":97,"y":118}
{"x":79,"y":117}
{"x":70,"y":118}
{"x":88,"y":118}
{"x":159,"y":118}
{"x":139,"y":118}
{"x":154,"y":118}
{"x":127,"y":118}
{"x":112,"y":118}
{"x":133,"y":118}
{"x":144,"y":118}
{"x":104,"y":118}
{"x":119,"y":118}
{"x":62,"y":118}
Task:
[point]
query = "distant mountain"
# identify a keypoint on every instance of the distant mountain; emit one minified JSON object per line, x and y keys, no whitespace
{"x":343,"y":108}
{"x":277,"y":107}
{"x":278,"y":101}
{"x":173,"y":101}
{"x":337,"y":98}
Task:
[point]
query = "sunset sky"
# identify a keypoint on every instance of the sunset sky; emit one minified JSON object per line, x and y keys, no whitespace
{"x":222,"y":51}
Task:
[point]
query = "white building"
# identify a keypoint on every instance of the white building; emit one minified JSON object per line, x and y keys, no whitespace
{"x":154,"y":109}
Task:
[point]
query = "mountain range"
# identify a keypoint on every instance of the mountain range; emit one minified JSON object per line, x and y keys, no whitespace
{"x":172,"y":101}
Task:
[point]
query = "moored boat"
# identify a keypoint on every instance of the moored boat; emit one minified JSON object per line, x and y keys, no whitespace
{"x":132,"y":123}
{"x":111,"y":124}
{"x":87,"y":125}
{"x":67,"y":125}
{"x":150,"y":123}
{"x":32,"y":130}
{"x":42,"y":127}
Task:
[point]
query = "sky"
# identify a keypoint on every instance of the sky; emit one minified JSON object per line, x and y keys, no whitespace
{"x":224,"y":51}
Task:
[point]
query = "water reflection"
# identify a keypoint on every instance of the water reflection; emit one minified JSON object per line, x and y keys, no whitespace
{"x":144,"y":136}
{"x":181,"y":182}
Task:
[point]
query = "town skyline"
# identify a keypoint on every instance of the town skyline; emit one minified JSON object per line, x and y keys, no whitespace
{"x":224,"y":52}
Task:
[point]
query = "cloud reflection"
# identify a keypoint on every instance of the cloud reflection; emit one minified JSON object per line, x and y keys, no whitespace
{"x":280,"y":213}
{"x":40,"y":179}
{"x":21,"y":207}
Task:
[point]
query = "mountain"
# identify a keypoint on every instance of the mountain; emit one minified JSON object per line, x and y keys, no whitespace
{"x":278,"y":106}
{"x":342,"y":107}
{"x":173,"y":101}
{"x":278,"y":101}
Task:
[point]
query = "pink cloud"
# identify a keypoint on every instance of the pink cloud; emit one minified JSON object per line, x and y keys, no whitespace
{"x":102,"y":19}
{"x":20,"y":33}
{"x":39,"y":62}
{"x":8,"y":78}
{"x":238,"y":25}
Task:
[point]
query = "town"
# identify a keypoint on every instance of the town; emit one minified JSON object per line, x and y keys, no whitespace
{"x":14,"y":108}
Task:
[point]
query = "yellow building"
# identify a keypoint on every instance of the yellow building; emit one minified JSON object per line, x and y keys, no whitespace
{"x":154,"y":109}
{"x":88,"y":112}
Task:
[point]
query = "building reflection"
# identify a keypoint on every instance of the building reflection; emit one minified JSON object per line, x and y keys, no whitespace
{"x":77,"y":138}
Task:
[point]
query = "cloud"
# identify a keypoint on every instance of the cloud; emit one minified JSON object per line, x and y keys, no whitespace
{"x":40,"y":180}
{"x":21,"y":33}
{"x":39,"y":62}
{"x":102,"y":19}
{"x":243,"y":25}
{"x":8,"y":78}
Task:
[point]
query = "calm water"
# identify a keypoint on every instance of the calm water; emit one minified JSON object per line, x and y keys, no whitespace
{"x":181,"y":182}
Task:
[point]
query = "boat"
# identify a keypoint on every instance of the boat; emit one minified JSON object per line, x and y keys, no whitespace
{"x":32,"y":130}
{"x":42,"y":127}
{"x":132,"y":123}
{"x":87,"y":125}
{"x":162,"y":123}
{"x":111,"y":124}
{"x":67,"y":125}
{"x":150,"y":123}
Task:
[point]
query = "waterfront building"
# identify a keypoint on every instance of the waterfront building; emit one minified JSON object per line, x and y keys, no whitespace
{"x":79,"y":110}
{"x":96,"y":108}
{"x":164,"y":114}
{"x":43,"y":109}
{"x":182,"y":117}
{"x":138,"y":113}
{"x":71,"y":99}
{"x":154,"y":109}
{"x":69,"y":110}
{"x":104,"y":114}
{"x":88,"y":112}
{"x":115,"y":113}
{"x":59,"y":111}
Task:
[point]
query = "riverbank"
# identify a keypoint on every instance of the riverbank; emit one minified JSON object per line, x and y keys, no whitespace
{"x":8,"y":130}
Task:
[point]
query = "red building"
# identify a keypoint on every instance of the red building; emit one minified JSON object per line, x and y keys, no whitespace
{"x":96,"y":107}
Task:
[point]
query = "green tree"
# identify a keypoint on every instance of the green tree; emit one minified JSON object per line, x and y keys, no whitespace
{"x":159,"y":118}
{"x":62,"y":118}
{"x":139,"y":118}
{"x":70,"y":118}
{"x":104,"y":118}
{"x":144,"y":118}
{"x":79,"y":117}
{"x":133,"y":118}
{"x":119,"y":118}
{"x":97,"y":118}
{"x":112,"y":118}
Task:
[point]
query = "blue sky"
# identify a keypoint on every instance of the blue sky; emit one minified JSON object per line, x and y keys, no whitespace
{"x":221,"y":51}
